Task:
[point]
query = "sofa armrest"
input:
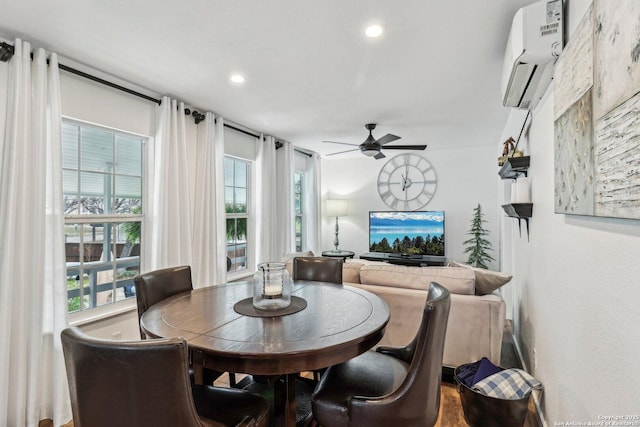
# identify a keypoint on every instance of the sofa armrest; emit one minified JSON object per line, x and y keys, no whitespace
{"x":476,"y":329}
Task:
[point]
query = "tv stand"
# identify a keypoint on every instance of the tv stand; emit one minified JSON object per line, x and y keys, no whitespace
{"x":406,"y":259}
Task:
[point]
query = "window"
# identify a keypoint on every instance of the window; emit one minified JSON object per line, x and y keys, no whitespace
{"x":236,"y":196}
{"x":298,"y":195}
{"x":103,"y":206}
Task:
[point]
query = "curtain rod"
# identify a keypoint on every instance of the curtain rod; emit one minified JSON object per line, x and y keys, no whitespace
{"x":108,"y":83}
{"x":7,"y":51}
{"x":246,"y":132}
{"x":302,"y":152}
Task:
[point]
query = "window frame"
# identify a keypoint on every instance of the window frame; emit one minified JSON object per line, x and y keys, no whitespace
{"x":247,"y":215}
{"x":115,"y":305}
{"x":299,"y":217}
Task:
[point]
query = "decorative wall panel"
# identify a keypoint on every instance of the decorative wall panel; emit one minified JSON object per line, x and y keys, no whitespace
{"x":573,"y":71}
{"x":574,"y":159}
{"x":617,"y":174}
{"x":597,"y":114}
{"x":616,"y":53}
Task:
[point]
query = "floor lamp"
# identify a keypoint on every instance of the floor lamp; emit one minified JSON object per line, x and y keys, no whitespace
{"x":336,"y":208}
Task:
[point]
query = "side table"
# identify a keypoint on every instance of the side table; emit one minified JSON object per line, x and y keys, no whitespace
{"x":339,"y":254}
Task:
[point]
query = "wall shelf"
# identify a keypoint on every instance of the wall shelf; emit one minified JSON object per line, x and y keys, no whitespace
{"x":513,"y":167}
{"x":521,"y":211}
{"x":518,"y":210}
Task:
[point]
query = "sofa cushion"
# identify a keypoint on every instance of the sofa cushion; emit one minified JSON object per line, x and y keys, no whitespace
{"x":456,"y":280}
{"x":351,"y":271}
{"x":487,"y":281}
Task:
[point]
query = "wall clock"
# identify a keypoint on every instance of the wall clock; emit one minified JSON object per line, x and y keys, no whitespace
{"x":407,"y":182}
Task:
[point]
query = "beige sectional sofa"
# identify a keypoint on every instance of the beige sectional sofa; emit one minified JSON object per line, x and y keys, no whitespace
{"x":476,"y":322}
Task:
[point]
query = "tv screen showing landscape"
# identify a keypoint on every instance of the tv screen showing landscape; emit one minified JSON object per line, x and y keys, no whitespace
{"x":413,"y":233}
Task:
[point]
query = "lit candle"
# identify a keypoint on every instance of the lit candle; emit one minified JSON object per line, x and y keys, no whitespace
{"x":272,"y":287}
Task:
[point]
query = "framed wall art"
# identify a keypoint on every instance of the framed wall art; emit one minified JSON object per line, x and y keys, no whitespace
{"x":597,"y":114}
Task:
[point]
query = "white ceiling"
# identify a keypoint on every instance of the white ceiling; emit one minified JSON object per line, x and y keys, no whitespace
{"x":432,"y":78}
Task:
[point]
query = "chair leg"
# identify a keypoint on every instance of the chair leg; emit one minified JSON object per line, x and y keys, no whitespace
{"x":232,"y":379}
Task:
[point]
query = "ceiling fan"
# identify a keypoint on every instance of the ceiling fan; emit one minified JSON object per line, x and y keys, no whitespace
{"x":373,"y":147}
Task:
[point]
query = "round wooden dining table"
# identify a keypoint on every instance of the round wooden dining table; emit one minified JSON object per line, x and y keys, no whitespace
{"x":338,"y":323}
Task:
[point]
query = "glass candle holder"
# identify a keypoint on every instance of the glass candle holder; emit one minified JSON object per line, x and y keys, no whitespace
{"x":272,"y":286}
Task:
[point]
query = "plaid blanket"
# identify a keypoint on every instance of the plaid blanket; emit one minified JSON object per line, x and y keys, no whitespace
{"x":508,"y":384}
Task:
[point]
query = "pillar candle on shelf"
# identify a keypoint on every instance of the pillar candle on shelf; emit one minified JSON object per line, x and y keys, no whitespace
{"x":514,"y":191}
{"x":523,"y":190}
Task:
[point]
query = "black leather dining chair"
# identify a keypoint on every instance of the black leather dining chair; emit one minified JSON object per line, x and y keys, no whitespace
{"x":154,"y":286}
{"x":146,"y":383}
{"x":391,"y":386}
{"x":321,"y":269}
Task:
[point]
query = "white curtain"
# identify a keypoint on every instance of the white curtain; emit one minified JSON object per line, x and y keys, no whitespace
{"x":266,"y":208}
{"x":33,"y":301}
{"x":168,"y":229}
{"x":285,"y":216}
{"x":209,"y":227}
{"x":312,"y":205}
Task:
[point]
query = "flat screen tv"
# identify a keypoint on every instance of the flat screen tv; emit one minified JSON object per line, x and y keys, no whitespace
{"x":408,"y":233}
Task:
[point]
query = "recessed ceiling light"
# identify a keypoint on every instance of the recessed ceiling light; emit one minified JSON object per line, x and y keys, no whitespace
{"x":237,"y":78}
{"x":373,"y":31}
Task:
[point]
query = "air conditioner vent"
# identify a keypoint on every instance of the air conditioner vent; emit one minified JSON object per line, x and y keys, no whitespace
{"x":534,"y":43}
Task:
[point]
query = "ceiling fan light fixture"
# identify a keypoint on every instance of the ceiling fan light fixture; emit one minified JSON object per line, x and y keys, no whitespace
{"x":373,"y":31}
{"x":369,"y":151}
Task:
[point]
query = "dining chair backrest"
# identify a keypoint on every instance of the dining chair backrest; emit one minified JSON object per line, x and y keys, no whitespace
{"x":418,"y":397}
{"x":134,"y":383}
{"x":154,"y":286}
{"x":321,"y":269}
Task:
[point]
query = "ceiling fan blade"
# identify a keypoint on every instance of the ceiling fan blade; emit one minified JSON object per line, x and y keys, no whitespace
{"x":387,"y":138}
{"x":404,"y":147}
{"x":379,"y":156}
{"x":341,"y":152}
{"x":343,"y":143}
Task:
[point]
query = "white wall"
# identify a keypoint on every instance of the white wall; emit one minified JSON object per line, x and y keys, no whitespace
{"x":576,"y":294}
{"x":466,"y":177}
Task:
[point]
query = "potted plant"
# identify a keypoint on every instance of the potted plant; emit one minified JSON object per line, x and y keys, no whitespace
{"x":478,"y":246}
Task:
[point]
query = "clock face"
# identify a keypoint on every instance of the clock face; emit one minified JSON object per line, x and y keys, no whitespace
{"x":407,"y":182}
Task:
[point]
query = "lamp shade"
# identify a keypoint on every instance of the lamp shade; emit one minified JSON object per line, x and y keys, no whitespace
{"x":336,"y":208}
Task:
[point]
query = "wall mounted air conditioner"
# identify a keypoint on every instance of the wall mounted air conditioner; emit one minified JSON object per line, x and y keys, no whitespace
{"x":535,"y":41}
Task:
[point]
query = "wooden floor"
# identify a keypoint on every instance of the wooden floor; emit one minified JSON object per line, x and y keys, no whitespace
{"x":451,"y":413}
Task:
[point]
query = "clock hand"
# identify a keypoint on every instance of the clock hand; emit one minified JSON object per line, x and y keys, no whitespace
{"x":406,"y":171}
{"x":404,"y":181}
